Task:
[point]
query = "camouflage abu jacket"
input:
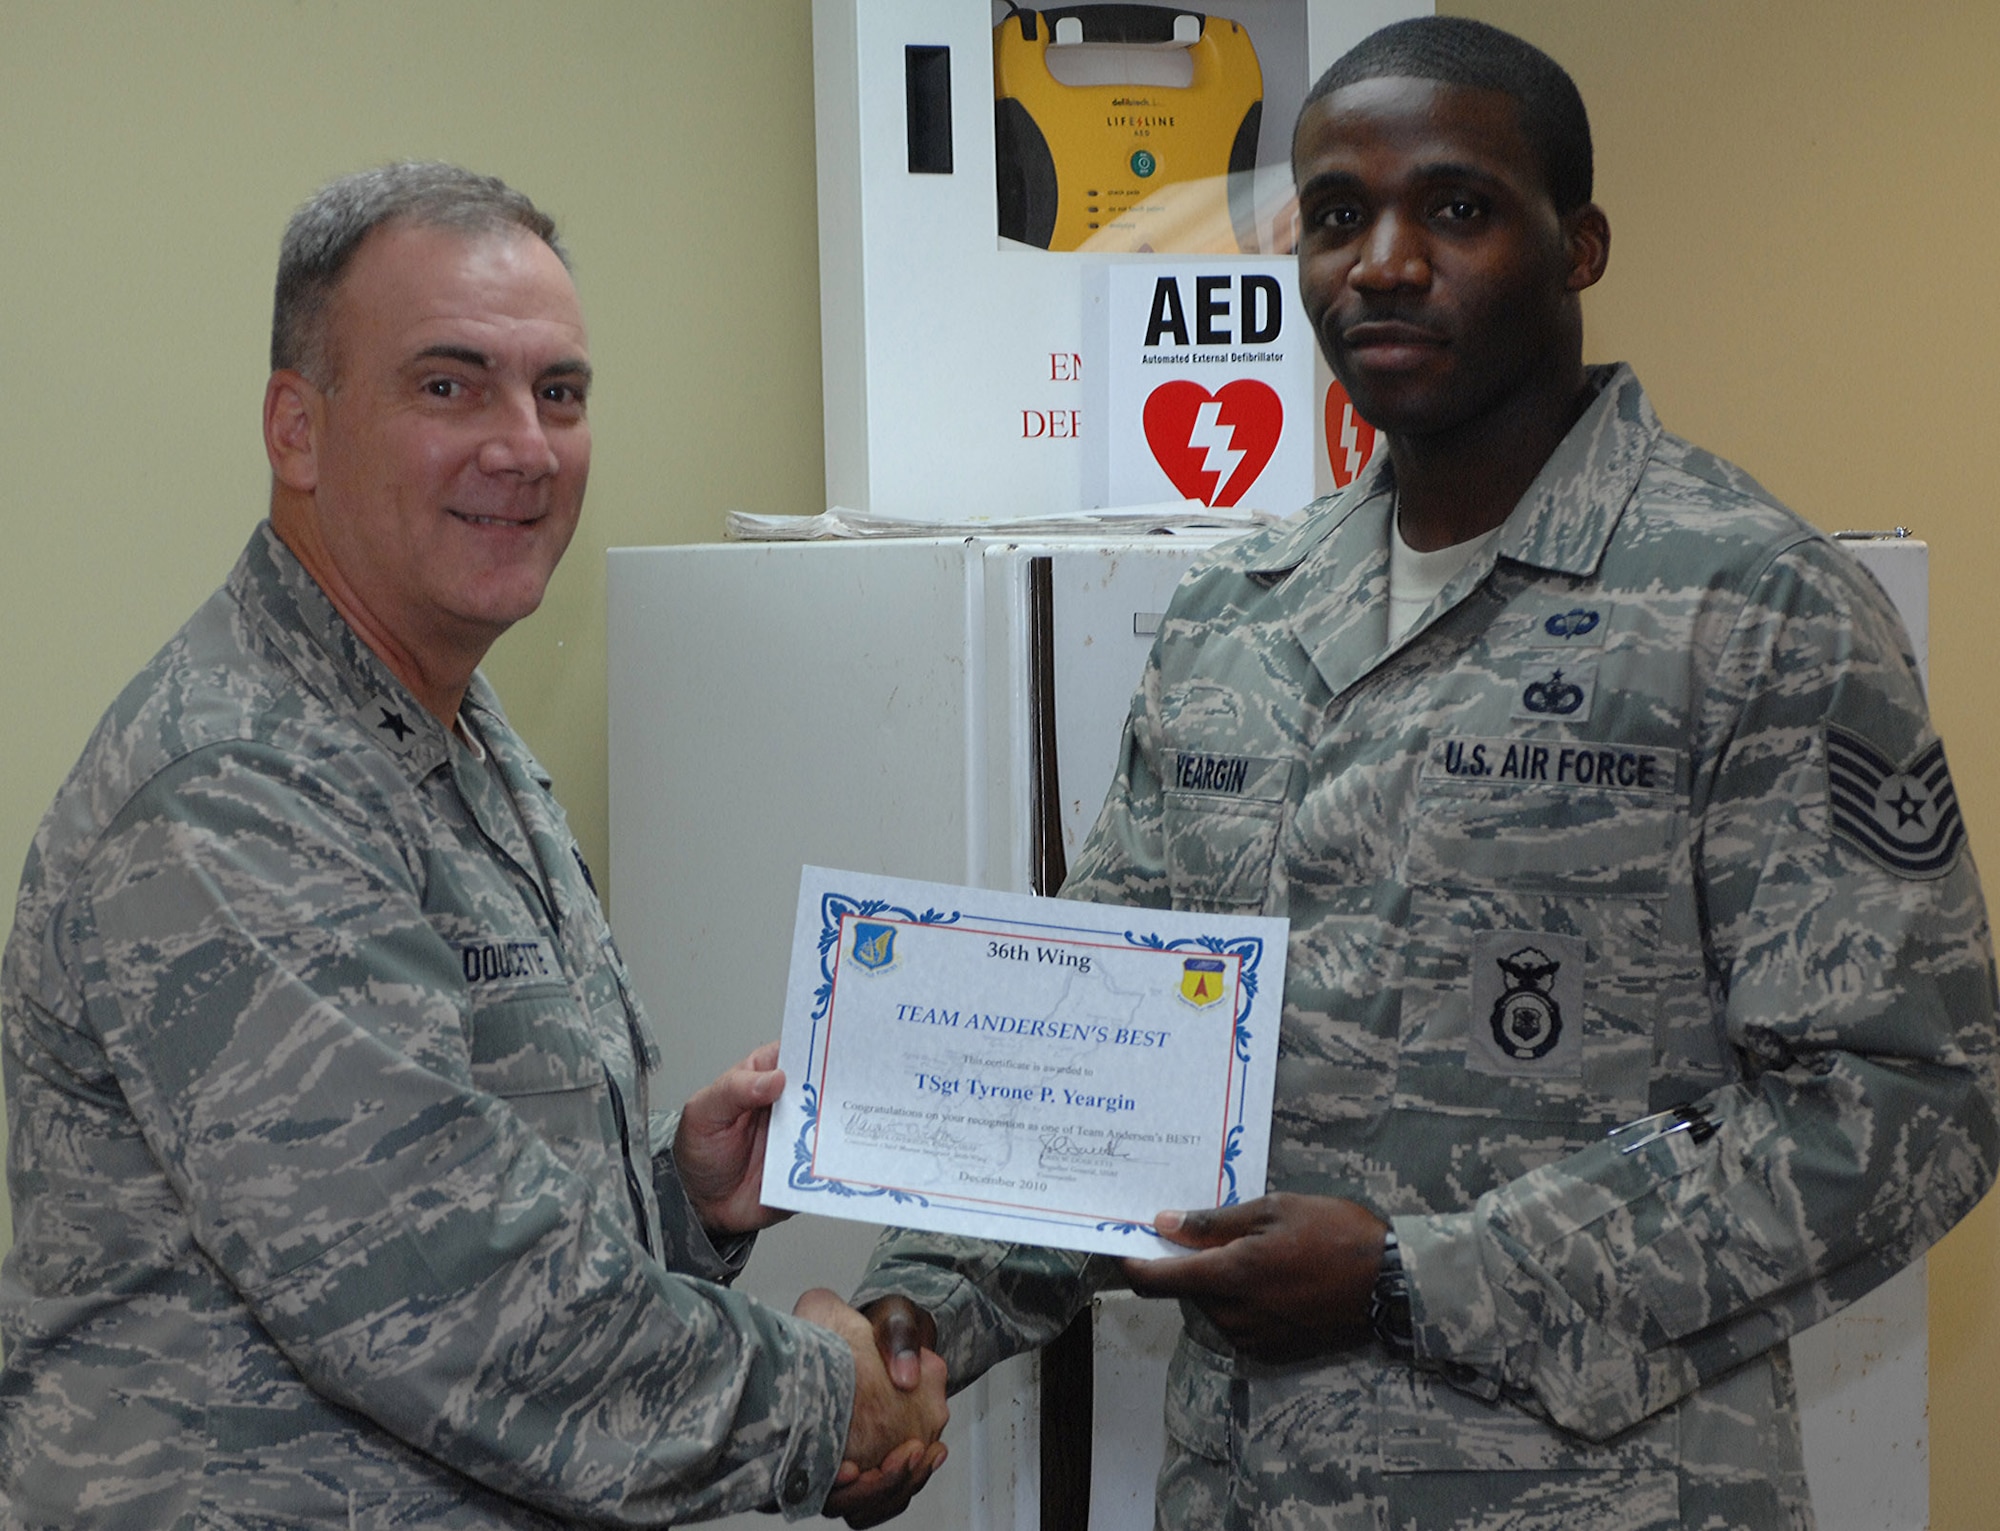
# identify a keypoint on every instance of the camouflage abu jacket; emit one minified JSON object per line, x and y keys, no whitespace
{"x":335,"y":1200}
{"x":1644,"y":813}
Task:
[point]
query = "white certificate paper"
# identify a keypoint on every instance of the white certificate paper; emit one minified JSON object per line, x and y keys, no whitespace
{"x":1024,"y":1069}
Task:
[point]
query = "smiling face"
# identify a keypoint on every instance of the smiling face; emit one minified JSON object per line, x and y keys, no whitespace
{"x":1440,"y":279}
{"x":433,"y":487}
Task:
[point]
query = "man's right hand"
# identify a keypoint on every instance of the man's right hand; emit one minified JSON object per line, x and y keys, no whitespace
{"x":892,"y":1436}
{"x":903,"y":1332}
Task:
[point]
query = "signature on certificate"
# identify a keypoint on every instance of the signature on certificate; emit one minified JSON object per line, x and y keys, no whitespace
{"x":1062,"y":1148}
{"x":864,"y":1126}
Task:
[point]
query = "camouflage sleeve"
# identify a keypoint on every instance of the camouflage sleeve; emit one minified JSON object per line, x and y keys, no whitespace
{"x":992,"y":1301}
{"x":685,"y":1245}
{"x":290,"y":1034}
{"x":1852,"y":975}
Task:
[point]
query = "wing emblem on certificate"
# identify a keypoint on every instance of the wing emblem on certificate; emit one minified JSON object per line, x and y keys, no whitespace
{"x":1030,"y":1070}
{"x":1204,"y":980}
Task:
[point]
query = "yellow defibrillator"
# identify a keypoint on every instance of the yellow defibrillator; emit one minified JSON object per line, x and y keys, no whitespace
{"x":1125,"y":166}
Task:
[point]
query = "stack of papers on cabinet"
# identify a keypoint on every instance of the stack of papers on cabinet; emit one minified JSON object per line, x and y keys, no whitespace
{"x":840,"y":522}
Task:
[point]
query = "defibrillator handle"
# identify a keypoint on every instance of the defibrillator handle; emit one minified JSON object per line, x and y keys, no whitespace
{"x":1130,"y":24}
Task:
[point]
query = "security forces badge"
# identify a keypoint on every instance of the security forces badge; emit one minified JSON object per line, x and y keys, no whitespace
{"x":1526,"y":1016}
{"x":1905,"y":818}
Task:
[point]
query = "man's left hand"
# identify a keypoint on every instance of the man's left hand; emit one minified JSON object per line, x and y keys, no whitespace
{"x":1282,"y":1277}
{"x":719,"y":1149}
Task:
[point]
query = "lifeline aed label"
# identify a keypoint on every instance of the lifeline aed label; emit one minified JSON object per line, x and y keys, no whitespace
{"x":1554,"y":763}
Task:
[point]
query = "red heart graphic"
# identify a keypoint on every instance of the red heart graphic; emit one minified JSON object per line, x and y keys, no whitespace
{"x":1350,"y":440}
{"x":1213,"y":445}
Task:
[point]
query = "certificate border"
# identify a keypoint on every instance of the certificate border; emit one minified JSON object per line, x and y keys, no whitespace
{"x":836,"y":906}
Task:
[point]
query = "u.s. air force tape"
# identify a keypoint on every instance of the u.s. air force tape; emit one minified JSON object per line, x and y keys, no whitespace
{"x":1903,"y":817}
{"x":1542,"y":762}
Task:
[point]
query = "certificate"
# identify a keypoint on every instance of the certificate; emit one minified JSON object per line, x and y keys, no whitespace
{"x":1029,"y":1070}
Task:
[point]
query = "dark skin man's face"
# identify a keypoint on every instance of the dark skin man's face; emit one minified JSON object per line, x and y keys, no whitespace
{"x":1437,"y":274}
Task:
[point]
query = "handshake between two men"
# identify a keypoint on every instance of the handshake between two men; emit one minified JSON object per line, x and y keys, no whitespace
{"x":892,"y":1434}
{"x":1280,"y":1276}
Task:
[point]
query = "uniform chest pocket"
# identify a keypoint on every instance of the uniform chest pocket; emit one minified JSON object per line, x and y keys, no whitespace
{"x":1452,"y":1460}
{"x":1610,"y":835}
{"x":533,"y":1048}
{"x":1541,"y":965}
{"x":1222,"y":816}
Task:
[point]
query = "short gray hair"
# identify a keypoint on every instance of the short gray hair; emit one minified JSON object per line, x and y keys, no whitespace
{"x":324,"y":234}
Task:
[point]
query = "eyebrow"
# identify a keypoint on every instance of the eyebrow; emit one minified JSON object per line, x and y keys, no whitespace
{"x":1440,"y":170}
{"x":571,"y":366}
{"x":465,"y":354}
{"x":1450,"y":170}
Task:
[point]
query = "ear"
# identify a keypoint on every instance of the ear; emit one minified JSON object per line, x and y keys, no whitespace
{"x":293,"y":408}
{"x":1587,"y":234}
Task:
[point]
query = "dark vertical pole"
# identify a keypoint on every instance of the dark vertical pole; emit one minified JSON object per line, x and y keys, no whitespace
{"x":1067,"y":1376}
{"x":1050,"y":866}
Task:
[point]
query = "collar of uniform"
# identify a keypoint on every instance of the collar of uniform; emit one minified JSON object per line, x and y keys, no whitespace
{"x":277,"y":593}
{"x":1564,"y":520}
{"x":1321,"y":519}
{"x":483,"y":702}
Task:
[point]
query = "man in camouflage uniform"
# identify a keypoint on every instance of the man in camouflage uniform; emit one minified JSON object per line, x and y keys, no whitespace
{"x":338,"y":1196}
{"x":1639,"y":1004}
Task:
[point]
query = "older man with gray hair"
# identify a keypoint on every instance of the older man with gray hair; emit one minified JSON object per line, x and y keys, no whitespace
{"x":339,"y":1199}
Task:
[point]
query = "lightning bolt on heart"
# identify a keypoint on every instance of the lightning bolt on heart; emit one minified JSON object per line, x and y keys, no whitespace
{"x":1350,"y":440}
{"x":1212,"y":446}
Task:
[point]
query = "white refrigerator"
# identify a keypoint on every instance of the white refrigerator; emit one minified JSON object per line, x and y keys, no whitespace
{"x":950,"y":709}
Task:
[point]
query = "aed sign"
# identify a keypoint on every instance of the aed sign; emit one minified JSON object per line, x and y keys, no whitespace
{"x":1207,"y":386}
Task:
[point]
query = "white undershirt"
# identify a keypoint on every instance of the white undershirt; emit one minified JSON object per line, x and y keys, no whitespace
{"x":469,"y":737}
{"x":1416,"y":578}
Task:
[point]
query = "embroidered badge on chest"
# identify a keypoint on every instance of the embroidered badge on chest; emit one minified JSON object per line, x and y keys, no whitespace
{"x":1526,"y":1014}
{"x":1553,"y":691}
{"x":1578,"y":623}
{"x":1582,"y":626}
{"x":1905,"y":818}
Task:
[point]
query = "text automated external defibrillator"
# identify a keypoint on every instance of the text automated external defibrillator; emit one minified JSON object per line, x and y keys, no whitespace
{"x":1126,"y":166}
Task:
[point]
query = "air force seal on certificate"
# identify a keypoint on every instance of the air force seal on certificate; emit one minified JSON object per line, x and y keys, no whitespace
{"x":1526,"y":1016}
{"x":874,"y":944}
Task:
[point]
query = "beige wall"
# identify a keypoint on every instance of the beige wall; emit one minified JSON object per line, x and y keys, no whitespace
{"x":149,"y":156}
{"x":1800,"y":194}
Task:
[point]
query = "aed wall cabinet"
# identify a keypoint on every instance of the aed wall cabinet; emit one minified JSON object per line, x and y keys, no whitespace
{"x":956,"y":363}
{"x":1138,"y":127}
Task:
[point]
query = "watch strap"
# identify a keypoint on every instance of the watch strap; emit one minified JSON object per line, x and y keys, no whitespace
{"x":1389,"y":1302}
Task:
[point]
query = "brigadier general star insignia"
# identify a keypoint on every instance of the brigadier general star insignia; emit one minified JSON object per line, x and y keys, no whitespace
{"x":393,"y":721}
{"x":1904,"y":817}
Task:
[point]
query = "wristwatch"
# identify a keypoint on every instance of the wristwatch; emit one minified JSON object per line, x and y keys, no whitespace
{"x":1389,"y":1303}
